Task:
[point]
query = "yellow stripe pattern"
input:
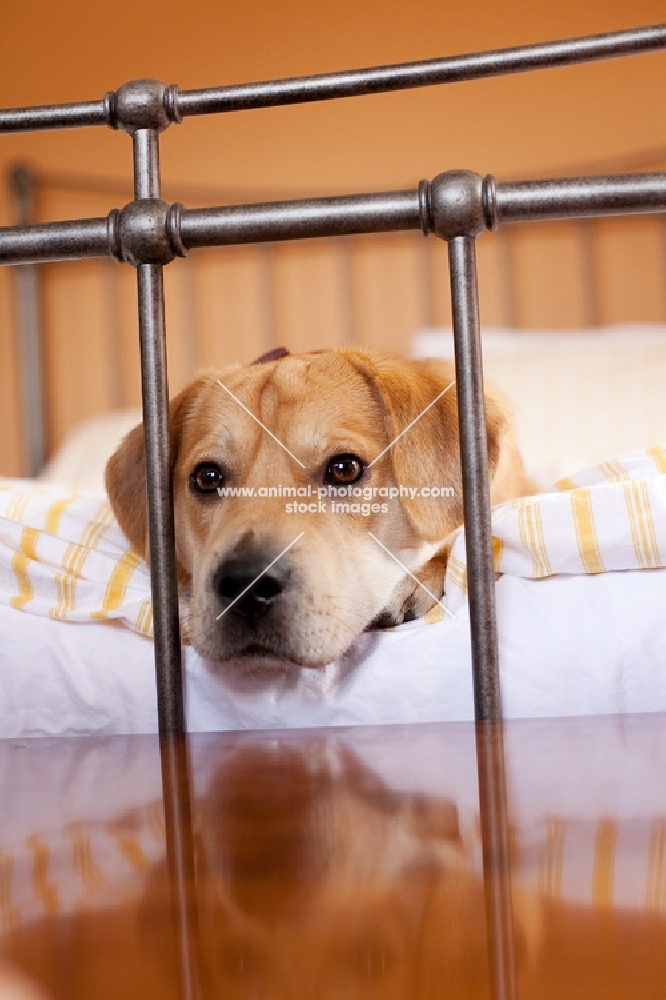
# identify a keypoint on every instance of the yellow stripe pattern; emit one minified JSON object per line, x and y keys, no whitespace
{"x":67,"y":559}
{"x":643,"y":531}
{"x":658,"y":454}
{"x":20,"y":564}
{"x":606,"y":519}
{"x":586,"y":533}
{"x":530,"y":526}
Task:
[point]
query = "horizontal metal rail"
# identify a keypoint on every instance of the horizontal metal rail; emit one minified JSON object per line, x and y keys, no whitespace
{"x":353,"y":83}
{"x":51,"y":116}
{"x":290,"y":220}
{"x":581,"y":197}
{"x":230,"y":225}
{"x":56,"y":241}
{"x":452,"y":69}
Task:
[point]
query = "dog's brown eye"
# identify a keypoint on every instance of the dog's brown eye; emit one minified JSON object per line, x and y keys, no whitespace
{"x":207,"y":477}
{"x":344,"y":470}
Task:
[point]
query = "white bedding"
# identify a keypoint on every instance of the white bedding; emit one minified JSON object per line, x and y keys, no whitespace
{"x":582,"y":628}
{"x":568,"y":646}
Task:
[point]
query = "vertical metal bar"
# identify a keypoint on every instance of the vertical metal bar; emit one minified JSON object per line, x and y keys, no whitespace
{"x":146,"y":163}
{"x":155,"y":397}
{"x":481,"y":591}
{"x":173,"y":746}
{"x":29,"y":329}
{"x":476,"y":482}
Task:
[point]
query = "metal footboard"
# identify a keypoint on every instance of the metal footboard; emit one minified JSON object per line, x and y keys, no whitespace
{"x":148,"y":233}
{"x":457,"y":206}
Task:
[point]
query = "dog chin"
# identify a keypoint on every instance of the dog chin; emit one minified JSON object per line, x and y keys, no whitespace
{"x":255,"y":658}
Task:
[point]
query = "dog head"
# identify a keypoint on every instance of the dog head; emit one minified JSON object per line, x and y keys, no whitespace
{"x":299,"y":496}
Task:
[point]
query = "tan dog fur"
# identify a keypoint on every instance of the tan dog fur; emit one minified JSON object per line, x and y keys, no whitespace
{"x":340,"y":580}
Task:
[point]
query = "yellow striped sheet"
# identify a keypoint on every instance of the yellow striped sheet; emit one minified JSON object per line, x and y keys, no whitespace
{"x":586,"y":532}
{"x":456,"y":572}
{"x":613,"y":470}
{"x":17,"y":507}
{"x":641,"y":521}
{"x":564,"y":485}
{"x":20,"y":562}
{"x":144,"y":620}
{"x":498,"y":549}
{"x":56,"y":511}
{"x":117,"y":585}
{"x":74,"y":560}
{"x":658,"y":455}
{"x":530,"y":526}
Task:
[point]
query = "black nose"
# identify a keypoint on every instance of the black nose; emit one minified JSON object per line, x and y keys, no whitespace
{"x":247,"y":588}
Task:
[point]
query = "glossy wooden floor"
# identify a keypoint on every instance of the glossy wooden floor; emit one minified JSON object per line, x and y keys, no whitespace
{"x":334,"y":864}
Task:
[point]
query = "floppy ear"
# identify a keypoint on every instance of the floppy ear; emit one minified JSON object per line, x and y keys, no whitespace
{"x":125,"y":474}
{"x":428,"y":453}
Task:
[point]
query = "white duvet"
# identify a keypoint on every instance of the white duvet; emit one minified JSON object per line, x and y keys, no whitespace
{"x":581,"y":611}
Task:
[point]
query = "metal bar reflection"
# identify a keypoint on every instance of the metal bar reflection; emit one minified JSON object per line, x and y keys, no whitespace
{"x":475,"y":477}
{"x":496,"y":858}
{"x":176,"y":785}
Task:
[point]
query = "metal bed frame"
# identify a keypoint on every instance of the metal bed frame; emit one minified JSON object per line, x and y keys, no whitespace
{"x":456,"y":206}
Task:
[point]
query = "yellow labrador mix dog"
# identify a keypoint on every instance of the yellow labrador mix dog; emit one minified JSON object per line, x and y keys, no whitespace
{"x":307,"y":489}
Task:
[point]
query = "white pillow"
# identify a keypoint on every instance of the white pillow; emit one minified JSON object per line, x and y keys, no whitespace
{"x":579,"y":396}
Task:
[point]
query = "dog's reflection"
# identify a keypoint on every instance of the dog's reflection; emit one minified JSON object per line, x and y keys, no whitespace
{"x":316,"y":880}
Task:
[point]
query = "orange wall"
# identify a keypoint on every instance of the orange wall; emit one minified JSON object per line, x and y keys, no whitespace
{"x":524,"y":125}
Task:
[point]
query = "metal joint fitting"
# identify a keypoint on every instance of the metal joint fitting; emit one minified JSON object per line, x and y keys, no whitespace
{"x":142,"y":104}
{"x":146,"y":231}
{"x":457,"y":203}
